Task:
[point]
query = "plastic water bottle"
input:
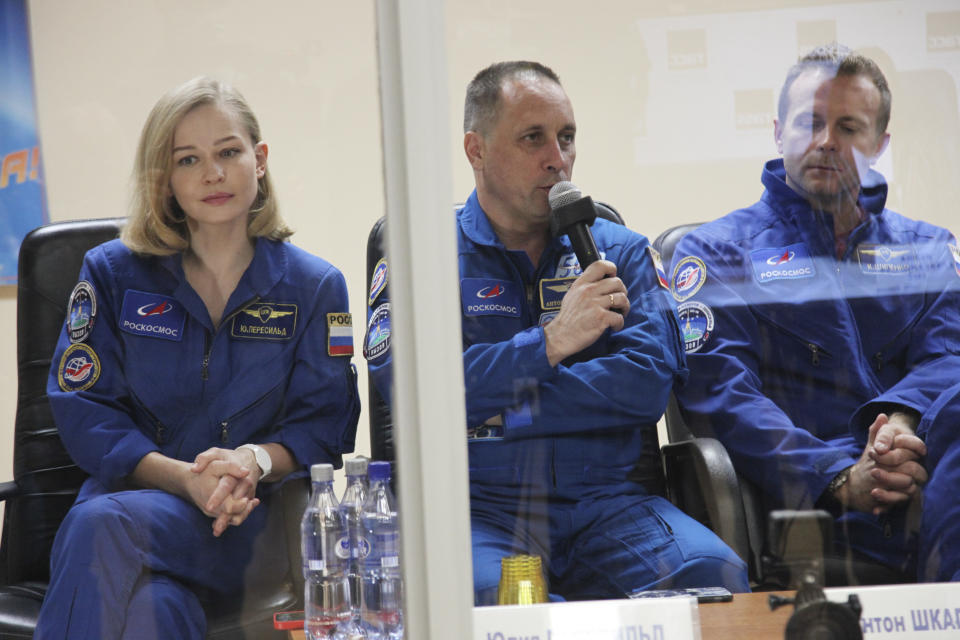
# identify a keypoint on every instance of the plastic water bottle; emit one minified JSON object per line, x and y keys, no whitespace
{"x":353,"y":546}
{"x":382,"y":605}
{"x":327,"y":595}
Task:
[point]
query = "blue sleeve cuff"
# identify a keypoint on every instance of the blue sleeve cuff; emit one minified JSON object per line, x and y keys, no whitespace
{"x":124,"y":458}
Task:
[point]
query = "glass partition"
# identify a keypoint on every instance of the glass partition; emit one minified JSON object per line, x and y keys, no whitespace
{"x":674,"y":107}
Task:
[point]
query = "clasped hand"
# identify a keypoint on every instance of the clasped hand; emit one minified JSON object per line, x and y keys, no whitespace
{"x":595,"y":302}
{"x":889,"y":471}
{"x":224,"y":485}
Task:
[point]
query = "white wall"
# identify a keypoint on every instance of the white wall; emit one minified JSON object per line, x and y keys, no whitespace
{"x":674,"y":103}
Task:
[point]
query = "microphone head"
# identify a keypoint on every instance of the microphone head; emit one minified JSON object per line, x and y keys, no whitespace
{"x":563,"y":193}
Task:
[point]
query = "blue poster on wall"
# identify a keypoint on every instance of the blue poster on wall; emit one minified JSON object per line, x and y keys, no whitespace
{"x":22,"y":199}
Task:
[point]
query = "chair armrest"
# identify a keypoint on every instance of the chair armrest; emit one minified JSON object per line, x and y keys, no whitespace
{"x":702,"y":482}
{"x":8,"y":490}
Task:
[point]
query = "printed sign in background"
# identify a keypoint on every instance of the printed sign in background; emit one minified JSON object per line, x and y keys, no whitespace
{"x":21,"y":189}
{"x":943,"y":31}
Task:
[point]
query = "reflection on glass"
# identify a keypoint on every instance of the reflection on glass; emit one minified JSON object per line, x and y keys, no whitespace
{"x":820,"y":329}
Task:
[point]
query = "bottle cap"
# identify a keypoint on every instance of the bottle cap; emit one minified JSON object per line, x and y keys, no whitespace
{"x":356,"y":466}
{"x":321,"y":472}
{"x":378,"y":471}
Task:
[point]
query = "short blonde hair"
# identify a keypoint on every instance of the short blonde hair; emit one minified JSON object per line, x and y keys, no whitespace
{"x":157,"y":224}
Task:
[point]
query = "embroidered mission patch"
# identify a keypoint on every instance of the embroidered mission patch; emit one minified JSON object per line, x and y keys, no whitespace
{"x":265,"y":321}
{"x":378,"y":282}
{"x":688,"y":276}
{"x":377,"y":341}
{"x":339,"y":334}
{"x":79,"y":368}
{"x":696,"y":324}
{"x":568,"y":266}
{"x":82,"y":312}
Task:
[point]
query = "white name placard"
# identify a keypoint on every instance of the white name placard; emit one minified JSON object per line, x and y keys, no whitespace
{"x":664,"y":619}
{"x":907,"y":611}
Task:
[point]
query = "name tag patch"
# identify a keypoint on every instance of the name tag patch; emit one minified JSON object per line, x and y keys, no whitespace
{"x":688,"y":276}
{"x":696,"y":324}
{"x":886,"y":259}
{"x":782,"y":263}
{"x":486,"y":297}
{"x":377,"y":341}
{"x":552,"y":291}
{"x":339,"y":334}
{"x":152,"y":315}
{"x":265,"y":321}
{"x":79,"y":368}
{"x":82,"y":312}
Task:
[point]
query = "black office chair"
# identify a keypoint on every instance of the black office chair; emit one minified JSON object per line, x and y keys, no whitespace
{"x":747,"y":521}
{"x":46,"y":481}
{"x":697,"y":472}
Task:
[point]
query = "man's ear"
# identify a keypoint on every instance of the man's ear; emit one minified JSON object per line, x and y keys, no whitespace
{"x":778,"y":135}
{"x":473,"y":146}
{"x":882,"y":145}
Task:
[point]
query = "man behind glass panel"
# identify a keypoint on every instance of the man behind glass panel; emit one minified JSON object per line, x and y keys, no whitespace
{"x":819,"y":325}
{"x":563,"y":390}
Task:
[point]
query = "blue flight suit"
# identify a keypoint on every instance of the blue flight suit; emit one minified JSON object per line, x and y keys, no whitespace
{"x":139,"y":368}
{"x":939,"y":535}
{"x":566,"y":474}
{"x":793,"y":352}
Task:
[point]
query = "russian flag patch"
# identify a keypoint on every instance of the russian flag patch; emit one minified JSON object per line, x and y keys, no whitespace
{"x":339,"y":334}
{"x":658,"y":267}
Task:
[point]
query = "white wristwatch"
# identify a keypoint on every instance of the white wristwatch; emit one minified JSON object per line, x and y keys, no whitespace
{"x":262,"y":458}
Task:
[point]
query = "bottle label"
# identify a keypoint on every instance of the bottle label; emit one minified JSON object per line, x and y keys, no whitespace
{"x":362,"y":550}
{"x":343,"y":548}
{"x":316,"y":565}
{"x":390,"y":561}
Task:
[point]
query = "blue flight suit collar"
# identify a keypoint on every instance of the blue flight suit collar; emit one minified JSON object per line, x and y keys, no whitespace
{"x":873,"y":193}
{"x":268,"y":267}
{"x":476,"y":226}
{"x":783,"y":199}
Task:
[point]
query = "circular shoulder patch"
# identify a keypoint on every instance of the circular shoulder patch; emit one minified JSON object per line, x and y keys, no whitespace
{"x":79,"y":368}
{"x":378,"y":281}
{"x":688,"y":276}
{"x":82,"y":311}
{"x":377,"y":341}
{"x":696,"y":324}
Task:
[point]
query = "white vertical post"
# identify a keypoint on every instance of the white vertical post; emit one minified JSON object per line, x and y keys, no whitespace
{"x":428,"y":408}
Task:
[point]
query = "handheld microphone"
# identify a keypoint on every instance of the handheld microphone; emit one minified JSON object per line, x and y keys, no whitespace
{"x":573,"y":213}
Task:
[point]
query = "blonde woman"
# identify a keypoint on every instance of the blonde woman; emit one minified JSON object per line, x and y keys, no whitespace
{"x":204,"y":359}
